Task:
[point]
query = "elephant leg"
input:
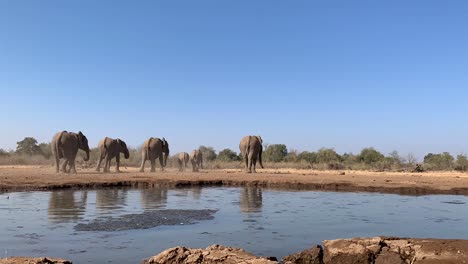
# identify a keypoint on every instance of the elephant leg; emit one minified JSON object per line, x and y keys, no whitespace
{"x":64,"y":166}
{"x":161,"y":162}
{"x":193,"y":166}
{"x":57,"y":164}
{"x":254,"y":164}
{"x":246,"y":160}
{"x":72,"y":166}
{"x":180,"y":165}
{"x":98,"y":168}
{"x":142,"y":167}
{"x":250,"y":161}
{"x":153,"y":165}
{"x":107,"y":165}
{"x":117,"y":161}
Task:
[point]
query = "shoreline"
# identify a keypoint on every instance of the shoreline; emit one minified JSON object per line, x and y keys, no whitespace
{"x":43,"y":178}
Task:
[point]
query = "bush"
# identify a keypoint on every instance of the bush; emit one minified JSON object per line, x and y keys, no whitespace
{"x":227,"y":155}
{"x":208,"y":153}
{"x":443,"y":161}
{"x":328,"y":156}
{"x":462,"y":163}
{"x":370,"y":156}
{"x":310,"y":157}
{"x":275,"y":153}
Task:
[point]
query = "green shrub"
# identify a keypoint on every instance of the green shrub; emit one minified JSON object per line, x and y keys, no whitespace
{"x":275,"y":153}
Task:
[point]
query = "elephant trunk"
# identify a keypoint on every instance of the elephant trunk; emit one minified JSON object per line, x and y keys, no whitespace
{"x":126,"y":154}
{"x":165,"y":159}
{"x":87,"y":155}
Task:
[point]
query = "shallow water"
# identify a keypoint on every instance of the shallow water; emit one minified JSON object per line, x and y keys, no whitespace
{"x":262,"y":221}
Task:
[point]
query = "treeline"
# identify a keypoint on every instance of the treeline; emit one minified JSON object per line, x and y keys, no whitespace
{"x":29,"y":151}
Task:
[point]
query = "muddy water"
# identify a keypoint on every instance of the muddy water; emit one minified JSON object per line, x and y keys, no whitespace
{"x":265,"y":222}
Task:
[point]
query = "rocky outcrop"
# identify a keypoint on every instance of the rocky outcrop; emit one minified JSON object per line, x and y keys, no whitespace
{"x":309,"y":256}
{"x":388,"y":250}
{"x":25,"y":260}
{"x":210,"y":255}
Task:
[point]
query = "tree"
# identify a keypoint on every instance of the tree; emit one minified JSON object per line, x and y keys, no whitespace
{"x":292,"y":156}
{"x":307,"y":156}
{"x":441,"y":161}
{"x":45,"y":150}
{"x":208,"y":153}
{"x":461,"y":163}
{"x":228,"y":155}
{"x":370,"y":156}
{"x":327,"y":156}
{"x":28,"y":146}
{"x":4,"y":153}
{"x":275,"y":152}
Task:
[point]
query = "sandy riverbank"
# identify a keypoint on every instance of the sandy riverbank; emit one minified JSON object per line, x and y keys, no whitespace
{"x":26,"y":178}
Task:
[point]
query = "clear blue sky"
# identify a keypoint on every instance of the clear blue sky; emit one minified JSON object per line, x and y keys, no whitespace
{"x":309,"y":74}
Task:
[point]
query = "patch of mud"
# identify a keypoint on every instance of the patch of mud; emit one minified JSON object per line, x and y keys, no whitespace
{"x":147,"y":220}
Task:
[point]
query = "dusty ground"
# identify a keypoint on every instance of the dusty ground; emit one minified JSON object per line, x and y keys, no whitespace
{"x":17,"y":178}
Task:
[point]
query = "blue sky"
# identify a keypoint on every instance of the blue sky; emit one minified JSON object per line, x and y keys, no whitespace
{"x":309,"y":74}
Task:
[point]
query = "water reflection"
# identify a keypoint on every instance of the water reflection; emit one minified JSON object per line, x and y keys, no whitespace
{"x":251,"y":199}
{"x":153,"y":198}
{"x":110,"y":199}
{"x":67,"y":206}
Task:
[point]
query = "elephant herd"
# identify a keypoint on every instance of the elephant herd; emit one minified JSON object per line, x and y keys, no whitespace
{"x":65,"y":145}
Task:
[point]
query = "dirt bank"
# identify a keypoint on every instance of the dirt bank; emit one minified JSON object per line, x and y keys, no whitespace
{"x":25,"y":178}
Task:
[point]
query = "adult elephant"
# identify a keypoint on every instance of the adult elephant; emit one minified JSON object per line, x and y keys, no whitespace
{"x":111,"y":148}
{"x":65,"y":146}
{"x":251,"y":149}
{"x":154,"y":148}
{"x":182,"y":160}
{"x":196,"y":158}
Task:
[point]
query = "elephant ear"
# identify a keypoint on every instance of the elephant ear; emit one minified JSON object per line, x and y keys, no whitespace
{"x":260,"y":139}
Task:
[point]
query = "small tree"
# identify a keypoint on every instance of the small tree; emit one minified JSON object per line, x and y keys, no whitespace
{"x":370,"y":156}
{"x":28,"y":146}
{"x":443,"y":161}
{"x":45,"y":150}
{"x":327,"y":156}
{"x":461,"y":163}
{"x":292,"y":156}
{"x":4,"y":153}
{"x":208,"y":153}
{"x":228,"y":155}
{"x":275,"y":152}
{"x":310,"y":157}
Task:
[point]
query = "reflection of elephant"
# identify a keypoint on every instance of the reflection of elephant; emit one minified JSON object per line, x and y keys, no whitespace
{"x":196,"y":158}
{"x":153,"y":198}
{"x":154,"y":148}
{"x":251,"y":149}
{"x":65,"y":205}
{"x":107,"y":200}
{"x":111,"y":148}
{"x":65,"y":145}
{"x":182,"y":160}
{"x":251,"y":199}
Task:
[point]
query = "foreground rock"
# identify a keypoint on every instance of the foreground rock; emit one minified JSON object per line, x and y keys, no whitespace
{"x":210,"y":255}
{"x":23,"y":260}
{"x":386,"y":250}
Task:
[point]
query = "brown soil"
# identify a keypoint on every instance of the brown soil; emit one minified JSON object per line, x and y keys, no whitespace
{"x":24,"y":178}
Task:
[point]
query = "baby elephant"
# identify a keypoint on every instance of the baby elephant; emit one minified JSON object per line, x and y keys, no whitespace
{"x":111,"y":148}
{"x":183,"y":159}
{"x":196,"y":159}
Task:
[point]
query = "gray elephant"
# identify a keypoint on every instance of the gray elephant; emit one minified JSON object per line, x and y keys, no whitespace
{"x":196,"y":158}
{"x":111,"y":148}
{"x":183,"y":159}
{"x":251,"y":149}
{"x":154,"y":148}
{"x":65,"y":146}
